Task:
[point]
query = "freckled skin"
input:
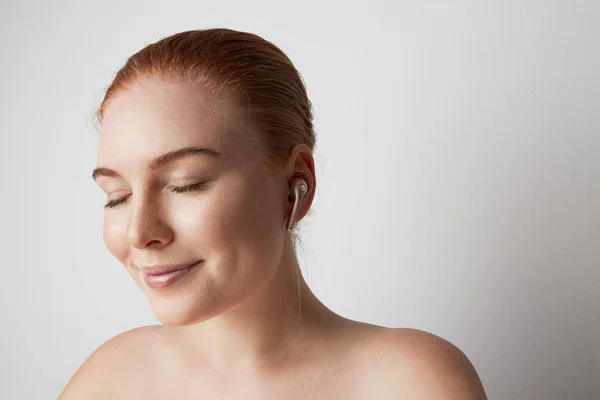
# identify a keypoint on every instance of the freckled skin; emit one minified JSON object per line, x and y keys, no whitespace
{"x":233,"y":223}
{"x":244,"y":324}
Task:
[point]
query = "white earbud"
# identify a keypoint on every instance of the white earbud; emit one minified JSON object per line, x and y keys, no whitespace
{"x":300,"y":188}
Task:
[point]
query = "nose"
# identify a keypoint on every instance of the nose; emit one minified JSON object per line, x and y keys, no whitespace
{"x":147,"y":225}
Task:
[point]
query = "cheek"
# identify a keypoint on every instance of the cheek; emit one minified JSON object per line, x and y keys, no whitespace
{"x":237,"y":226}
{"x":113,"y":234}
{"x":242,"y":206}
{"x":253,"y":218}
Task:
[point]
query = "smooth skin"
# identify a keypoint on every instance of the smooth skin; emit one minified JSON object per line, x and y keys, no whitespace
{"x":235,"y":327}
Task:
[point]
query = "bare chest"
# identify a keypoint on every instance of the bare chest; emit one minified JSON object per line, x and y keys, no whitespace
{"x":316,"y":381}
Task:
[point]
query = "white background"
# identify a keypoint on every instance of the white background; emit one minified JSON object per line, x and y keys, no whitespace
{"x":458,"y":171}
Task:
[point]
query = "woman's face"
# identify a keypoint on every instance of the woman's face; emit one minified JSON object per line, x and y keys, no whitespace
{"x":234,"y":221}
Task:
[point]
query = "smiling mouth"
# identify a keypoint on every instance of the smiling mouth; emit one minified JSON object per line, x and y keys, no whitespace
{"x":160,"y":281}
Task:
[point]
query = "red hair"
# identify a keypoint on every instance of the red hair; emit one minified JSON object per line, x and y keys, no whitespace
{"x":256,"y":81}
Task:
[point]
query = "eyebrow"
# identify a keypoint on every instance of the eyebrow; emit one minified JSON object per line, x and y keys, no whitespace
{"x":161,"y":160}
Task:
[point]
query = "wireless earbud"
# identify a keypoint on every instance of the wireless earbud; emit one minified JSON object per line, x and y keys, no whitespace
{"x":300,"y":188}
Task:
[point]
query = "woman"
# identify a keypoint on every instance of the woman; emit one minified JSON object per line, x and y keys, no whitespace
{"x":206,"y":158}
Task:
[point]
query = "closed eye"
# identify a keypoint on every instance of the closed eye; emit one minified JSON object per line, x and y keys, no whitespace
{"x":189,"y":188}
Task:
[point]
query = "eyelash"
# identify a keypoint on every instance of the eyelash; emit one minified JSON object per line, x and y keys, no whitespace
{"x":184,"y":189}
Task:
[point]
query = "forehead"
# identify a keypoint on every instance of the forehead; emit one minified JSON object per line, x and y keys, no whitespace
{"x":153,"y":117}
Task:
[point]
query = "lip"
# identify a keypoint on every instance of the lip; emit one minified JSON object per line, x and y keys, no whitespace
{"x":161,"y":281}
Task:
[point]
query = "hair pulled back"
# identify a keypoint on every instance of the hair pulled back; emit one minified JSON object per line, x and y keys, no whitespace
{"x":257,"y":84}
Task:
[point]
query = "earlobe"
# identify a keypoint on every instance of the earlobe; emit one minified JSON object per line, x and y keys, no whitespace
{"x":299,"y":189}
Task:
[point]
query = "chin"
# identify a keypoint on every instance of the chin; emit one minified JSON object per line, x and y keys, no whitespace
{"x":170,"y":312}
{"x":170,"y":317}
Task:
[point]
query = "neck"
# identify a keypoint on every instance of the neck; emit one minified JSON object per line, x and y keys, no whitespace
{"x":267,"y":329}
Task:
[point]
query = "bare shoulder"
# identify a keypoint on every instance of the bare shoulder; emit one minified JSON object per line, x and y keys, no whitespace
{"x":107,"y":370}
{"x":419,"y":364}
